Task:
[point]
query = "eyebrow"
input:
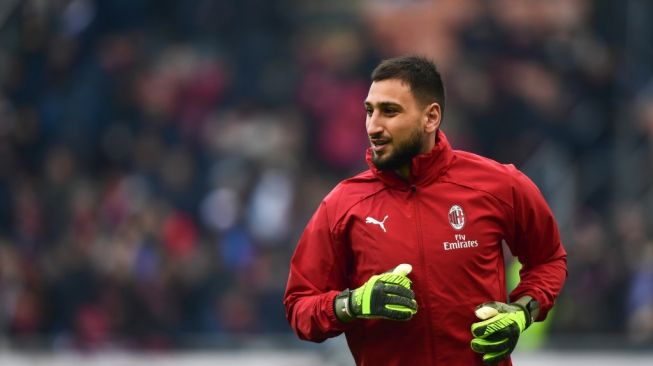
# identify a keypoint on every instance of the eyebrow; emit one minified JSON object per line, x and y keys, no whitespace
{"x":383,"y":104}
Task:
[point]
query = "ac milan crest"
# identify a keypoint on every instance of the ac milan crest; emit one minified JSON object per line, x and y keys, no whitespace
{"x":456,"y":217}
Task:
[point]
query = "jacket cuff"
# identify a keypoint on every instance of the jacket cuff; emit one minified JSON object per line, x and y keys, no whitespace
{"x":336,"y":323}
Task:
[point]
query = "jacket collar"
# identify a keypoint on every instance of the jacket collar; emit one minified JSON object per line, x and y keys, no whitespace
{"x":425,"y":168}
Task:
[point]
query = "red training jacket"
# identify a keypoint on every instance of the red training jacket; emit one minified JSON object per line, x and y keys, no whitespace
{"x":448,"y":222}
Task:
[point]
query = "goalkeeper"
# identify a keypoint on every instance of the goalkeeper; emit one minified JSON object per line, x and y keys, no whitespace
{"x":406,"y":258}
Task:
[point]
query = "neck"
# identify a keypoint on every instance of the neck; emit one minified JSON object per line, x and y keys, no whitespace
{"x":404,"y":171}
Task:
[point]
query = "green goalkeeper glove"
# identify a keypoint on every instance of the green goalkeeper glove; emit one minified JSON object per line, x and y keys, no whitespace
{"x":386,"y":296}
{"x":497,"y":334}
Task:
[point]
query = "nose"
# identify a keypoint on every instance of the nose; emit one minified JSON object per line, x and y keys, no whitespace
{"x":373,"y":125}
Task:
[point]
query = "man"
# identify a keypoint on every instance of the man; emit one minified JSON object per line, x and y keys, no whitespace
{"x":439,"y":212}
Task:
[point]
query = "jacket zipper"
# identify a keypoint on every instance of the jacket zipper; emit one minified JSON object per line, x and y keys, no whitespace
{"x":420,"y":244}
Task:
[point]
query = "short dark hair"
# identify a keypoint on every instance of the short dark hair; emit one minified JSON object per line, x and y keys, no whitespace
{"x":419,"y":72}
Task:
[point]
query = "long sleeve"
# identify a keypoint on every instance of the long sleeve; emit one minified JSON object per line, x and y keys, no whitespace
{"x":317,"y":275}
{"x":536,"y":243}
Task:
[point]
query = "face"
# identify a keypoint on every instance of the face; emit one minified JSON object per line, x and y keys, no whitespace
{"x":398,"y":126}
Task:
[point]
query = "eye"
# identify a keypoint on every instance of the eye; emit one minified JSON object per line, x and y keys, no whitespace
{"x":390,"y":111}
{"x":369,"y":111}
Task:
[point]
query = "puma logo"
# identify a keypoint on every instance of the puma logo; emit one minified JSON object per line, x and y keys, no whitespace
{"x":371,"y":220}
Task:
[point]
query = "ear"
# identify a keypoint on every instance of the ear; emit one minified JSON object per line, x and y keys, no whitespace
{"x":433,"y":115}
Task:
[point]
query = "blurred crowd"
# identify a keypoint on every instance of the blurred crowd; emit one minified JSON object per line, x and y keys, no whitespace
{"x":159,"y":158}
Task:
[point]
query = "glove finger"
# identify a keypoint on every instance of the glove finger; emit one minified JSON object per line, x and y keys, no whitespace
{"x":492,"y":358}
{"x":480,"y":345}
{"x":497,"y":325}
{"x":501,"y":307}
{"x":396,"y":302}
{"x":492,"y":304}
{"x":396,"y":279}
{"x":399,"y":291}
{"x":481,"y":330}
{"x":397,"y":314}
{"x":399,"y":308}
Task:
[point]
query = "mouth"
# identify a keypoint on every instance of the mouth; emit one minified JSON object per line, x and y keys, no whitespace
{"x":379,"y":145}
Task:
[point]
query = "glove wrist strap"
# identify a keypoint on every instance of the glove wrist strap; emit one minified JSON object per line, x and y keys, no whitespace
{"x":341,"y":306}
{"x":532,"y":307}
{"x":527,"y":313}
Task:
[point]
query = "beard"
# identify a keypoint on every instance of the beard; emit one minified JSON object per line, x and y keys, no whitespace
{"x":403,"y":153}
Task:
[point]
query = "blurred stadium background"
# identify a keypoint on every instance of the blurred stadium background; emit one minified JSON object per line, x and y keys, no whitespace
{"x":159,"y":158}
